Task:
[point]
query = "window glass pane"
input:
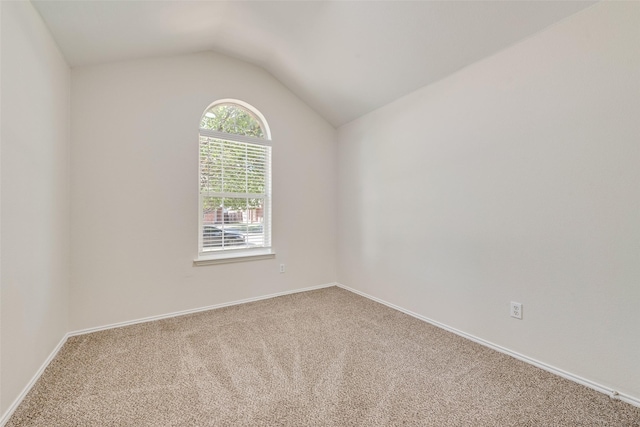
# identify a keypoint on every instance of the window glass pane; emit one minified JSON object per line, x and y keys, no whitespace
{"x":210,"y":164}
{"x":231,"y":118}
{"x":232,"y":223}
{"x":234,"y":176}
{"x":256,"y":168}
{"x":211,"y":208}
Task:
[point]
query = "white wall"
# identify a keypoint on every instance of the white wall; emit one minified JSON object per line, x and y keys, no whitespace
{"x":35,"y":197}
{"x":134,"y":188}
{"x":516,"y":179}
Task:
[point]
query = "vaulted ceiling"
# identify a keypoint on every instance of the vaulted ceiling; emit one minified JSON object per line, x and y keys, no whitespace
{"x":343,"y":58}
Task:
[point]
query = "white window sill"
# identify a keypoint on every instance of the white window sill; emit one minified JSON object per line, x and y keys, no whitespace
{"x":225,"y":257}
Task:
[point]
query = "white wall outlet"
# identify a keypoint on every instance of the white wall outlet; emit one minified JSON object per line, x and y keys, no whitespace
{"x":516,"y":310}
{"x":281,"y":268}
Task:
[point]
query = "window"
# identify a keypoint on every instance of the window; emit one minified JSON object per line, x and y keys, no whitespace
{"x":235,"y":184}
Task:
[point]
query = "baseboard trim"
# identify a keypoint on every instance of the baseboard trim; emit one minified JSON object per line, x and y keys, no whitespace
{"x":549,"y":368}
{"x":18,"y":400}
{"x":195,"y":310}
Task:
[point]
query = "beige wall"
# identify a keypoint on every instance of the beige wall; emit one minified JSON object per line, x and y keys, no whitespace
{"x":516,"y":179}
{"x":134,"y":188}
{"x":35,"y":197}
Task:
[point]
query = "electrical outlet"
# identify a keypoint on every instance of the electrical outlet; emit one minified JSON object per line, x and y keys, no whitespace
{"x":516,"y":310}
{"x":281,"y":268}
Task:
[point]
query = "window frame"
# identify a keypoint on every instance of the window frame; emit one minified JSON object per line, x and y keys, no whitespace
{"x":241,"y":254}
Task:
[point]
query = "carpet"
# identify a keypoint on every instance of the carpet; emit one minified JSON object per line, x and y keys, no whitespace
{"x":320,"y":358}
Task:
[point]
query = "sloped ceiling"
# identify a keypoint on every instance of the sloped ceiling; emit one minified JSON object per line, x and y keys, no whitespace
{"x":344,"y":58}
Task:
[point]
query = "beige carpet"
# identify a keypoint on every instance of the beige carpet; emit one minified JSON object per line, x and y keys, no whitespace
{"x":320,"y":358}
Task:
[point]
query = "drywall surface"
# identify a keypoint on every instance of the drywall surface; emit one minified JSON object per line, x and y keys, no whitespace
{"x":35,"y":197}
{"x":135,"y":188}
{"x":515,"y":179}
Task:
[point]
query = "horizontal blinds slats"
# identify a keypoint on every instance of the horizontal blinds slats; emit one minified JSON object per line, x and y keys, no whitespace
{"x":234,"y":194}
{"x":228,"y":166}
{"x":243,"y":138}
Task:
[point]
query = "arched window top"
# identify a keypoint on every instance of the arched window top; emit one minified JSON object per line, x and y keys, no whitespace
{"x":236,"y":118}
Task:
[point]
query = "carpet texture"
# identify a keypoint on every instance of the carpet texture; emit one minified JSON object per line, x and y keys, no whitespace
{"x":320,"y":358}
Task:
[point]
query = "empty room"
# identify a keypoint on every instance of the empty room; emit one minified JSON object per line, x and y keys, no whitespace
{"x":319,"y":213}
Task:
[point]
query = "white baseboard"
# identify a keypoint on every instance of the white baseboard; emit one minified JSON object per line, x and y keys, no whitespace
{"x":7,"y":414}
{"x":5,"y":417}
{"x":557,"y":371}
{"x":194,"y":310}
